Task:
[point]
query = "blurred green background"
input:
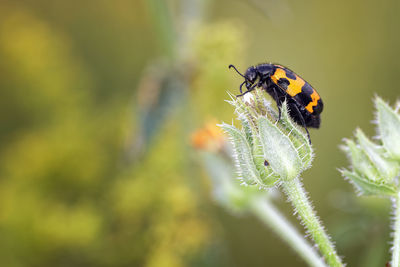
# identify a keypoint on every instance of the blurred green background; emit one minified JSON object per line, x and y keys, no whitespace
{"x":98,"y":101}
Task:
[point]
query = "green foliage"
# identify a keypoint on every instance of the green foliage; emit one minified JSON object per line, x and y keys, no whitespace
{"x":375,"y":166}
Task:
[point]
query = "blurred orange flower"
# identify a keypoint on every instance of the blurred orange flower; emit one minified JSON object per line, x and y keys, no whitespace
{"x":209,"y":138}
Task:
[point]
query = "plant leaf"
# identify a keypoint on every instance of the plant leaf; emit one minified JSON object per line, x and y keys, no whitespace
{"x":368,"y":187}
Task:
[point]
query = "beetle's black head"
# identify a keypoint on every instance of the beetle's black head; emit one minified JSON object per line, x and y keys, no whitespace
{"x":250,"y":76}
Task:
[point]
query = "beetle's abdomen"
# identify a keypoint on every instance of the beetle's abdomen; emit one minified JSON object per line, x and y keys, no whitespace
{"x":300,"y":90}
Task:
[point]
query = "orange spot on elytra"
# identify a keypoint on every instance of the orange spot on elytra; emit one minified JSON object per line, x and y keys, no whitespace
{"x":314,"y":101}
{"x":295,"y":85}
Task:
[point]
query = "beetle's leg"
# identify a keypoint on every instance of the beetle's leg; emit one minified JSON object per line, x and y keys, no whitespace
{"x":276,"y":98}
{"x":279,"y":113}
{"x":240,"y":89}
{"x":241,"y":85}
{"x":242,"y":94}
{"x":252,"y":88}
{"x":295,"y":108}
{"x":248,"y":90}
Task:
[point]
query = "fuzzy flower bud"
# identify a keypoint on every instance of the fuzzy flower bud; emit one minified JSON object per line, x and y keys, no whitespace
{"x":375,"y":166}
{"x":266,"y":150}
{"x":388,"y":127}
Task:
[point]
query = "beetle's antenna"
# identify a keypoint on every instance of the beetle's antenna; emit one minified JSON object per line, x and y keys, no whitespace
{"x":231,"y":66}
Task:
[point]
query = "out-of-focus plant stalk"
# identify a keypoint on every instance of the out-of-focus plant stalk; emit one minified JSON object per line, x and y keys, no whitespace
{"x":272,"y":218}
{"x":164,"y":25}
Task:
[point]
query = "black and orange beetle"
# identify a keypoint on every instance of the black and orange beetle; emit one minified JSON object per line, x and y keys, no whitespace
{"x":304,"y":103}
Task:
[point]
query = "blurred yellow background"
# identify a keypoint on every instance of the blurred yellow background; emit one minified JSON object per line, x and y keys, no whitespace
{"x":98,"y":101}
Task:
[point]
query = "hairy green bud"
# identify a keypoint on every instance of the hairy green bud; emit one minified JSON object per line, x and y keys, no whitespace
{"x":375,"y":166}
{"x":267,"y":150}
